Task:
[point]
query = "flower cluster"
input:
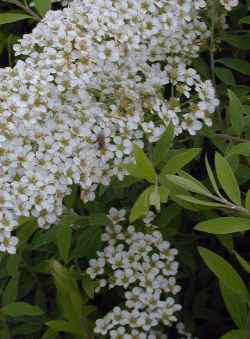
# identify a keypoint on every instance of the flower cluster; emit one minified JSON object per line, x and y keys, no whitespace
{"x":98,"y":76}
{"x":229,"y":4}
{"x":182,"y":331}
{"x":143,"y":265}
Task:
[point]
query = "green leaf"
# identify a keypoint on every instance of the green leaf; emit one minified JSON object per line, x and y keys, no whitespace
{"x":144,"y":165}
{"x":20,"y":309}
{"x":50,"y":334}
{"x":201,"y":66}
{"x":238,"y":41}
{"x":227,"y":179}
{"x":240,"y":149}
{"x":9,"y":17}
{"x":212,"y":178}
{"x":12,"y":265}
{"x":225,"y":273}
{"x":163,"y":145}
{"x":43,"y":6}
{"x":236,"y":113}
{"x":155,"y":199}
{"x":224,"y":225}
{"x":247,"y":201}
{"x":141,"y":206}
{"x":199,"y":201}
{"x":227,"y":241}
{"x":225,"y":75}
{"x":88,"y":242}
{"x":243,"y":262}
{"x":164,"y":193}
{"x":89,"y":285}
{"x":245,"y":20}
{"x":235,"y":334}
{"x":61,"y":326}
{"x":178,"y":161}
{"x":235,"y":306}
{"x":238,"y":65}
{"x":63,"y":240}
{"x":27,"y":230}
{"x":188,"y":185}
{"x":10,"y":292}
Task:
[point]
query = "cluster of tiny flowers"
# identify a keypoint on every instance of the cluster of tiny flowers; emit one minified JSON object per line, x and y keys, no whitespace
{"x":94,"y":81}
{"x":144,"y":266}
{"x":183,"y":332}
{"x":229,"y":4}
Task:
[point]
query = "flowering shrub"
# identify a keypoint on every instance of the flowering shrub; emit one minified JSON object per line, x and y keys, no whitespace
{"x":91,"y":85}
{"x":103,"y":104}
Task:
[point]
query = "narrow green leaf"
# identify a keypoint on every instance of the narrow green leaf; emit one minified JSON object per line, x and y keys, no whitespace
{"x":243,"y":262}
{"x":238,"y":65}
{"x":188,"y":185}
{"x":235,"y":306}
{"x":227,"y":241}
{"x":224,"y":225}
{"x":164,"y":193}
{"x":212,"y":178}
{"x":225,"y":273}
{"x":155,"y":199}
{"x":240,"y":149}
{"x":42,"y":6}
{"x":199,"y":201}
{"x":178,"y":161}
{"x":63,"y":240}
{"x":9,"y":17}
{"x":235,"y":334}
{"x":227,"y":179}
{"x":236,"y":113}
{"x":20,"y":309}
{"x":144,"y":165}
{"x":238,"y":41}
{"x":245,"y":20}
{"x":61,"y":326}
{"x":141,"y":206}
{"x":50,"y":334}
{"x":163,"y":145}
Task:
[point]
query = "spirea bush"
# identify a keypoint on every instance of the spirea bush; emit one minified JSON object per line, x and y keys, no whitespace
{"x":124,"y":156}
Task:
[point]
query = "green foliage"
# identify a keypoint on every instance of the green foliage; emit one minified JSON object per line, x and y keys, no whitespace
{"x":197,"y":185}
{"x":20,"y":309}
{"x":43,"y":6}
{"x":10,"y":17}
{"x":225,"y":273}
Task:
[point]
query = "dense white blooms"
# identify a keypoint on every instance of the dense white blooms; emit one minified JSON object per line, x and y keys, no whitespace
{"x":144,"y":266}
{"x":98,"y":76}
{"x":229,"y":4}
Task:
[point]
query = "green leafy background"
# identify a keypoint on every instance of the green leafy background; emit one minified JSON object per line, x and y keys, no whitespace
{"x":198,"y":185}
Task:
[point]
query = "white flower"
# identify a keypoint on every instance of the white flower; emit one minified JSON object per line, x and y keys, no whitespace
{"x":229,"y":4}
{"x":71,"y":111}
{"x":137,"y":263}
{"x":8,"y":245}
